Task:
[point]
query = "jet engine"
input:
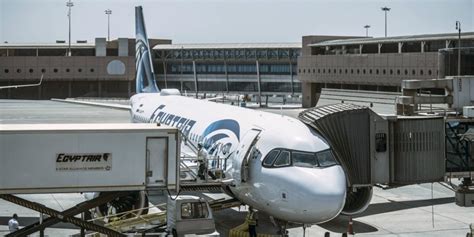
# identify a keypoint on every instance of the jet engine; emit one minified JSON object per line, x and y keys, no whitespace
{"x":137,"y":201}
{"x":357,"y":200}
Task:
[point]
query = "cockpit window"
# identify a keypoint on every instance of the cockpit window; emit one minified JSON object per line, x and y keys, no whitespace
{"x":325,"y":158}
{"x":304,"y":159}
{"x":272,"y":155}
{"x":283,"y":159}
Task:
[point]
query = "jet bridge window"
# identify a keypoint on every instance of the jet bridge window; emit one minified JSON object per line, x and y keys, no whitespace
{"x":380,"y":142}
{"x":194,"y":210}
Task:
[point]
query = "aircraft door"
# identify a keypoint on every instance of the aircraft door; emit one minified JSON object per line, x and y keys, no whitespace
{"x":241,"y":157}
{"x":156,"y":161}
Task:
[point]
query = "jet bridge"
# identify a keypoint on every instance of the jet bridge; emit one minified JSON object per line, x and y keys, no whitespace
{"x":374,"y":149}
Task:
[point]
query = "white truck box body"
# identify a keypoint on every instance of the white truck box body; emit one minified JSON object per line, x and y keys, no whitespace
{"x":46,"y":158}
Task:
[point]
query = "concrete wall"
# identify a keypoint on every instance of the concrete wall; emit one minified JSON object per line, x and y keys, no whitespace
{"x":63,"y":68}
{"x":65,"y":77}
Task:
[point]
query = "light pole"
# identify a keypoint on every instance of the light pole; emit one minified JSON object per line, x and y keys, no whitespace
{"x":458,"y":27}
{"x":69,"y":4}
{"x":108,"y":12}
{"x":385,"y":9}
{"x":367,"y":30}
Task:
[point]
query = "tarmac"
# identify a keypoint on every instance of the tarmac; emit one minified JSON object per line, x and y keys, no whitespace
{"x":414,"y":210}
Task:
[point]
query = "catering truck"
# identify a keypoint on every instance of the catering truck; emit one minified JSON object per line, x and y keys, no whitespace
{"x":49,"y":158}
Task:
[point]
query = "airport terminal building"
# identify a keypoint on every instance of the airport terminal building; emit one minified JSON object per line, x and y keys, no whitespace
{"x":241,"y":68}
{"x":103,"y":69}
{"x":379,"y":63}
{"x":107,"y":69}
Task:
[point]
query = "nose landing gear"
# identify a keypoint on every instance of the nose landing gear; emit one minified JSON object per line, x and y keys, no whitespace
{"x":281,"y":225}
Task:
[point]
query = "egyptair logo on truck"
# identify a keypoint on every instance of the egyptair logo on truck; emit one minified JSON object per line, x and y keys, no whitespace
{"x":83,"y":161}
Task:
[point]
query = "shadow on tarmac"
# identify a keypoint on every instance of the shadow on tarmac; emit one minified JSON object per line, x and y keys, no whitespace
{"x":378,"y":208}
{"x":340,"y":224}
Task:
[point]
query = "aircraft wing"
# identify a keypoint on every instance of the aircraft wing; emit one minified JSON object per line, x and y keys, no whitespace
{"x":24,"y":85}
{"x":98,"y":104}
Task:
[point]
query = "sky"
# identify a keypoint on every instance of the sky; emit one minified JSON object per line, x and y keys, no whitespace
{"x":229,"y":21}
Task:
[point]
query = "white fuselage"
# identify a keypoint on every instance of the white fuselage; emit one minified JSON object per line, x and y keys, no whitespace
{"x":292,"y":193}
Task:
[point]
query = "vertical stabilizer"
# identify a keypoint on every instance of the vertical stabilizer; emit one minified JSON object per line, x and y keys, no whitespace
{"x":145,"y":75}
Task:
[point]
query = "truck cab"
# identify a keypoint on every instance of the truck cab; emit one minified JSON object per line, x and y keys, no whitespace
{"x":189,"y":215}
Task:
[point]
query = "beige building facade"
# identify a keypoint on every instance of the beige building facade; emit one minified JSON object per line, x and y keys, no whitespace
{"x":103,"y":69}
{"x":375,"y":63}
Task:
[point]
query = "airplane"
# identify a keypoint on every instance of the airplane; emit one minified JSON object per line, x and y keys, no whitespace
{"x":276,"y":164}
{"x":24,"y":85}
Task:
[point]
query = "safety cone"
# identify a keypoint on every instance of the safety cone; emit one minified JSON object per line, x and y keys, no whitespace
{"x":350,"y":230}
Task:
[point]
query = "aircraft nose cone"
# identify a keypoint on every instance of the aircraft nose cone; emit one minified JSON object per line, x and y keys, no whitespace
{"x":328,"y":192}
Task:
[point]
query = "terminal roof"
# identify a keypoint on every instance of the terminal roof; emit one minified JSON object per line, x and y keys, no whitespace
{"x":47,"y":45}
{"x":395,"y":39}
{"x":228,"y":46}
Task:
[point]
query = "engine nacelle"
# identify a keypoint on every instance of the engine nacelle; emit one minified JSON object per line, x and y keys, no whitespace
{"x":357,"y":200}
{"x":137,"y":201}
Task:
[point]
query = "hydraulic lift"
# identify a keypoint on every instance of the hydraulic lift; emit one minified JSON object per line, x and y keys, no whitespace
{"x":64,"y":216}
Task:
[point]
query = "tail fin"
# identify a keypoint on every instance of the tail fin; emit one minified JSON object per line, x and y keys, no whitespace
{"x":145,"y":75}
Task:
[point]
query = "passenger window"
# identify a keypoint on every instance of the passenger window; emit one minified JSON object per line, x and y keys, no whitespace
{"x":283,"y":159}
{"x":325,"y":158}
{"x":272,"y":155}
{"x":304,"y":159}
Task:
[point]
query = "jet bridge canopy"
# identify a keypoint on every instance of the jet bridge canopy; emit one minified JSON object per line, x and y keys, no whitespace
{"x":347,"y":129}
